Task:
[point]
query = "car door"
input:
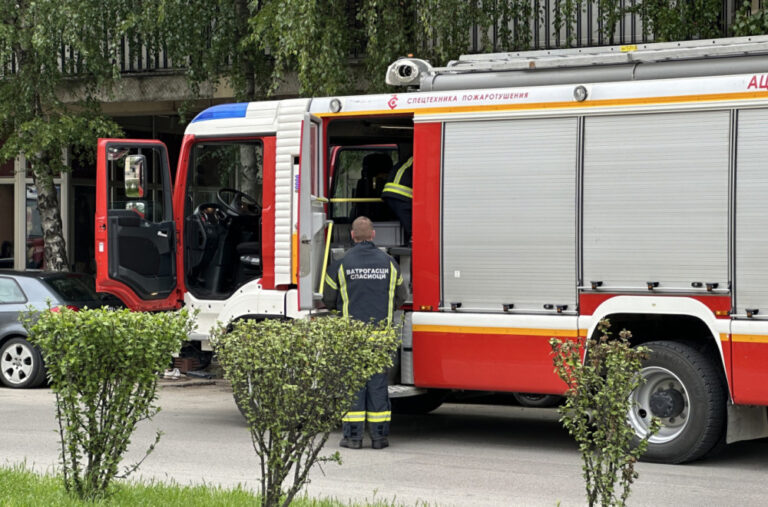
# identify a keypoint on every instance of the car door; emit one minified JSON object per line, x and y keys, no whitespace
{"x":312,"y":217}
{"x":135,"y":232}
{"x":12,"y":301}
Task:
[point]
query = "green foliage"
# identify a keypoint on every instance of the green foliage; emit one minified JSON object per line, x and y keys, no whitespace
{"x":212,"y":41}
{"x":596,"y":408}
{"x":21,"y":487}
{"x":388,"y":32}
{"x":569,"y":12}
{"x":103,"y":367}
{"x":446,"y":27}
{"x":294,"y":380}
{"x":44,"y":108}
{"x":566,"y":16}
{"x":310,"y":36}
{"x":514,"y":21}
{"x":335,"y":47}
{"x":673,"y":20}
{"x":750,"y":23}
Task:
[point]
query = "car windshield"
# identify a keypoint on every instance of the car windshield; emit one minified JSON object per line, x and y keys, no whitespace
{"x":72,"y":289}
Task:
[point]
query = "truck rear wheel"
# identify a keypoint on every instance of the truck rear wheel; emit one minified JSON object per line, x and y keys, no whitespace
{"x":684,"y":389}
{"x":537,"y":400}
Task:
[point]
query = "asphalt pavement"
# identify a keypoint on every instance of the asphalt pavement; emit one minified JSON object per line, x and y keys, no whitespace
{"x":459,"y":455}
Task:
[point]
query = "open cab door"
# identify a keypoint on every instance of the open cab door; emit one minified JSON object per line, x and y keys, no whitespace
{"x":312,"y":218}
{"x":135,"y":232}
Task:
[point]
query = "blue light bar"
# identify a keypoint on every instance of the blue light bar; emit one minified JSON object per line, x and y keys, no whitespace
{"x":222,"y":112}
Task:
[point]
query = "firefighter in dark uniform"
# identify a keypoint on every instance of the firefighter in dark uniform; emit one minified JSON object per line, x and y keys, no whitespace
{"x":366,"y":285}
{"x":398,"y":194}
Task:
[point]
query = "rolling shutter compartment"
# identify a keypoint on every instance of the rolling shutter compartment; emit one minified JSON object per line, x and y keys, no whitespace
{"x":509,"y":227}
{"x":751,"y":285}
{"x":656,"y":200}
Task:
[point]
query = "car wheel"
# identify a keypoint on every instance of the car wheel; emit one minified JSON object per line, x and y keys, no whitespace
{"x":21,"y":364}
{"x":537,"y":400}
{"x":685,"y":390}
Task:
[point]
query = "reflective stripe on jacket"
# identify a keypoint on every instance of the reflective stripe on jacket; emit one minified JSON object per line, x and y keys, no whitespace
{"x":365,"y":285}
{"x":400,"y":182}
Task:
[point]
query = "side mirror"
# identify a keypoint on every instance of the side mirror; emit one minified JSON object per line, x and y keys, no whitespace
{"x":135,"y":175}
{"x":138,"y":207}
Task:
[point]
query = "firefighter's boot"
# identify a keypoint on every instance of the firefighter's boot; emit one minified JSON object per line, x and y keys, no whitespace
{"x":380,"y":443}
{"x":351,"y":444}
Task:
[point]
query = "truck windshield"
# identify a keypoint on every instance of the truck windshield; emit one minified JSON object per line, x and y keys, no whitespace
{"x":232,"y":164}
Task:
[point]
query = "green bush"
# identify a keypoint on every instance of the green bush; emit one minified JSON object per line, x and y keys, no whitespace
{"x":596,"y":408}
{"x":747,"y":22}
{"x":294,"y":380}
{"x":103,"y":367}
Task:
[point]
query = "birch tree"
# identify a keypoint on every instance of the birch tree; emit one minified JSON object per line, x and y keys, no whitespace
{"x":56,"y":59}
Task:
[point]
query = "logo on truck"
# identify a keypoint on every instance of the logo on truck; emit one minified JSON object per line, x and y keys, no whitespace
{"x":392,"y":102}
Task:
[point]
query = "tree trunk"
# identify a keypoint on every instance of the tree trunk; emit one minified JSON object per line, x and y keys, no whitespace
{"x":250,"y":171}
{"x":55,"y":248}
{"x":247,"y":66}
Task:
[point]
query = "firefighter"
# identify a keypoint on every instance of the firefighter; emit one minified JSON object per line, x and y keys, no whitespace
{"x":398,"y":194}
{"x":366,"y":285}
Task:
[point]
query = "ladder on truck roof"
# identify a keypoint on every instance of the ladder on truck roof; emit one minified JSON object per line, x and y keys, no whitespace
{"x":661,"y":60}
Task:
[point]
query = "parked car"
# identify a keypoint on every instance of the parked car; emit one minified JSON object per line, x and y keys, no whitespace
{"x":21,"y":364}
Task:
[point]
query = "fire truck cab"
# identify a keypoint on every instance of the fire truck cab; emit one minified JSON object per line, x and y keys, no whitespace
{"x":551,"y":190}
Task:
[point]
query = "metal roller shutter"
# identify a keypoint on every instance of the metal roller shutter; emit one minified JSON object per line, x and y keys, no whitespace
{"x":656,"y":199}
{"x":509,"y":227}
{"x":751,"y":287}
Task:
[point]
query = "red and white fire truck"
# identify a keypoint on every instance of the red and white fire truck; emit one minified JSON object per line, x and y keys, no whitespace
{"x":551,"y":190}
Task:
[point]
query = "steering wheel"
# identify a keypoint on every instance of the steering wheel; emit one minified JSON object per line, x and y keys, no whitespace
{"x":210,"y":213}
{"x":240,"y":204}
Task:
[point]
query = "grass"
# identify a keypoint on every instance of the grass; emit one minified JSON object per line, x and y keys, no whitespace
{"x":20,"y":487}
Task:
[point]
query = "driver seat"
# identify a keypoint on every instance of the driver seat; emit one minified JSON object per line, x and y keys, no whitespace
{"x":249,"y":266}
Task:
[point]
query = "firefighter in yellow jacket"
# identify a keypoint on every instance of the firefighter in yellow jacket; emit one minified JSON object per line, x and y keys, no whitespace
{"x":398,"y":194}
{"x":366,"y":285}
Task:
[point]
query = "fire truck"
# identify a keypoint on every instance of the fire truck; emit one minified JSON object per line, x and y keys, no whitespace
{"x":551,"y":190}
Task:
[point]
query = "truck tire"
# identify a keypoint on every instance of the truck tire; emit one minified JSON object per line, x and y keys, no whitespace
{"x":537,"y":400}
{"x":685,"y":390}
{"x":419,"y":404}
{"x":21,"y":364}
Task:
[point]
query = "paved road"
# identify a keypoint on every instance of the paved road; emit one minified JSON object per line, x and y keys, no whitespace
{"x":460,"y":455}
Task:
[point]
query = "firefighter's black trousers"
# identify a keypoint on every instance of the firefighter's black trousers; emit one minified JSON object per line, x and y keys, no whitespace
{"x":372,"y":405}
{"x":403,"y":210}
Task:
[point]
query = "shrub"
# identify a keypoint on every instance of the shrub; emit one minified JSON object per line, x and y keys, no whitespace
{"x":103,"y":367}
{"x":596,"y":408}
{"x":294,"y":380}
{"x":747,"y":22}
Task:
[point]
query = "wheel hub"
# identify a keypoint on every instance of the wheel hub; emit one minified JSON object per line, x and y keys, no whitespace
{"x":16,"y":364}
{"x":667,"y":403}
{"x":664,"y":396}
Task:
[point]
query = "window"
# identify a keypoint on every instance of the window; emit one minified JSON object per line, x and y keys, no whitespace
{"x":72,"y":289}
{"x":34,"y":230}
{"x":10,"y":292}
{"x":218,"y":165}
{"x":151,"y":205}
{"x":318,"y":189}
{"x":351,"y":182}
